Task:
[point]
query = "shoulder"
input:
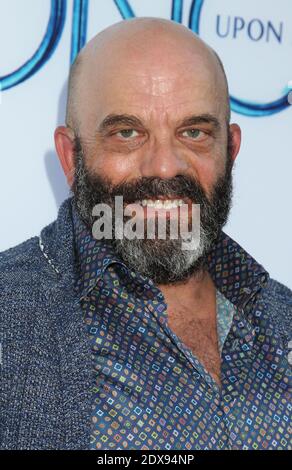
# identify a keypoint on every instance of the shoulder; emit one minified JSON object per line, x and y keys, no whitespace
{"x":278,"y":300}
{"x":21,"y":267}
{"x":280,"y":293}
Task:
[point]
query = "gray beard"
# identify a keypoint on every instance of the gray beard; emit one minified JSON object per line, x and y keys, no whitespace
{"x":163,"y":261}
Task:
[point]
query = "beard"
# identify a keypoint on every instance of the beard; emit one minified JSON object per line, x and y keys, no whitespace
{"x":164,"y":261}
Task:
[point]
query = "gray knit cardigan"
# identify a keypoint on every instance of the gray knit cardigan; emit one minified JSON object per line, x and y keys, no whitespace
{"x":45,"y":361}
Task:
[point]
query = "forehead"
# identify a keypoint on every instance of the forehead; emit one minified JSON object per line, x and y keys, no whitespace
{"x":153,"y":89}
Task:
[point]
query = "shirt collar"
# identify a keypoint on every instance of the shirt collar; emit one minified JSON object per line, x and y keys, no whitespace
{"x":93,"y":256}
{"x":235,"y":273}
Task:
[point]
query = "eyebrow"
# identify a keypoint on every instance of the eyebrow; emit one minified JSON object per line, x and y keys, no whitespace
{"x":201,"y":119}
{"x":114,"y":119}
{"x":131,"y":120}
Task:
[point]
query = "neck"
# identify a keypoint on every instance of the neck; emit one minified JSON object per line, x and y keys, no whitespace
{"x":196,"y":292}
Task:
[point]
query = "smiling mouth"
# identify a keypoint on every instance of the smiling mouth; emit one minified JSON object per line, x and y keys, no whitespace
{"x":162,"y":202}
{"x":167,"y":205}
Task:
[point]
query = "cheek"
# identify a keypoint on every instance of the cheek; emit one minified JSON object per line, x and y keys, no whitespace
{"x":116,"y":167}
{"x":208,"y":170}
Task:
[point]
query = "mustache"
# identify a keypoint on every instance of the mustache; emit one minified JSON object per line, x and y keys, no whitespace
{"x":180,"y":186}
{"x":153,"y":187}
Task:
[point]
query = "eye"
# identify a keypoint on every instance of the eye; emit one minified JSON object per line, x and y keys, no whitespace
{"x":127,"y":133}
{"x":193,"y":133}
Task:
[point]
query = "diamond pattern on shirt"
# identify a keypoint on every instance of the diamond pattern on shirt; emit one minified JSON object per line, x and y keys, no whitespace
{"x":149,"y":390}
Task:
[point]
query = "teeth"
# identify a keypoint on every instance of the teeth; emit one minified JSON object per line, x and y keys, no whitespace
{"x":162,"y":204}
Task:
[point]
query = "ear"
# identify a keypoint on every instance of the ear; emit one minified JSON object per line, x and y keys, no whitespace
{"x":64,"y":143}
{"x":235,"y":132}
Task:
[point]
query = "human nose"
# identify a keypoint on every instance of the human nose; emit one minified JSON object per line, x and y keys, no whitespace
{"x":163,"y":160}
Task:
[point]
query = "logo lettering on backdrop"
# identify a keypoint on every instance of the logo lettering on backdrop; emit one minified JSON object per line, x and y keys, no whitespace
{"x":255,"y":29}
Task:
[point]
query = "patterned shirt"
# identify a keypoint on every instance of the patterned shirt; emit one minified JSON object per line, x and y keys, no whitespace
{"x":149,"y":389}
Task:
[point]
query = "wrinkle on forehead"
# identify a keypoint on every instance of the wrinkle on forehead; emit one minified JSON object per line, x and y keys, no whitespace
{"x":148,"y":54}
{"x":162,"y":78}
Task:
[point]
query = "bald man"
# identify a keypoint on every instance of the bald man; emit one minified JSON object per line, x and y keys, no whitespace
{"x":162,"y":342}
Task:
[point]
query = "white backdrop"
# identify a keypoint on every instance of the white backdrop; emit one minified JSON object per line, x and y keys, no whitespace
{"x":254,"y":40}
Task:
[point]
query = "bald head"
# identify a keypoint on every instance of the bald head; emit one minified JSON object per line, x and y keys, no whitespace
{"x":148,"y":46}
